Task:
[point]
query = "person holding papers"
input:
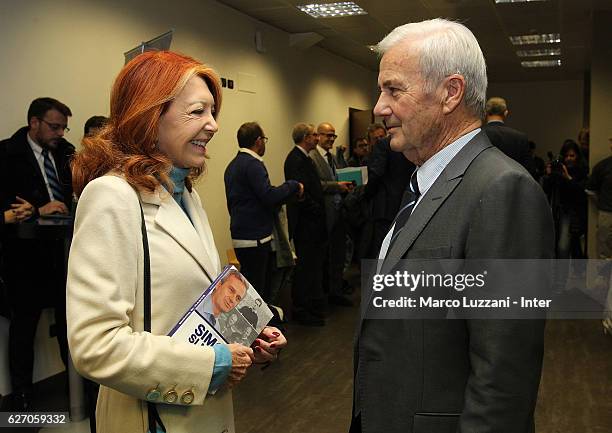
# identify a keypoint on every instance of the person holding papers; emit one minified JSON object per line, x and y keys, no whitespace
{"x":143,"y":164}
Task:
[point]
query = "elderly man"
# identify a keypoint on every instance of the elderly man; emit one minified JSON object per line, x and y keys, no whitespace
{"x":34,"y":165}
{"x":510,"y":141}
{"x":333,"y":192}
{"x":467,"y":201}
{"x":307,"y":228}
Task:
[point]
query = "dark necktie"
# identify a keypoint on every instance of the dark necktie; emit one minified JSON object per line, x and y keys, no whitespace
{"x":411,"y":196}
{"x":52,"y":178}
{"x":330,"y":161}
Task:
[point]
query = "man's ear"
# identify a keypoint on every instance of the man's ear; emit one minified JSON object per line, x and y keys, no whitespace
{"x":454,"y":91}
{"x":34,"y":122}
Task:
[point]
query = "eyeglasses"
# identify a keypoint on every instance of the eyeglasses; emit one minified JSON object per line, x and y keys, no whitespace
{"x":265,"y":139}
{"x":330,"y":135}
{"x":55,"y":126}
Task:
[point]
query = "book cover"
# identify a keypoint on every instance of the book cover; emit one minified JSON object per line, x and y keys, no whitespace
{"x":229,"y":311}
{"x":358,"y":175}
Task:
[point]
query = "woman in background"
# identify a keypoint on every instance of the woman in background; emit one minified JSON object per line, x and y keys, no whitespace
{"x":163,"y":115}
{"x":564,"y":184}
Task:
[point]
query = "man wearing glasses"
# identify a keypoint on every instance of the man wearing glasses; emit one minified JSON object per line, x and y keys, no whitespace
{"x":34,"y":165}
{"x":333,"y":194}
{"x":252,"y":203}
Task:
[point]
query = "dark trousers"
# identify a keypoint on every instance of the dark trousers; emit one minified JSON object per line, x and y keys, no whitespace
{"x":307,"y":290}
{"x":256,"y":266}
{"x":335,"y":259}
{"x":35,"y":281}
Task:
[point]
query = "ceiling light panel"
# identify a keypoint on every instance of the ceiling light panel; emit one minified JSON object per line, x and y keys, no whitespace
{"x":541,"y":63}
{"x":332,"y":10}
{"x":548,"y":38}
{"x":517,"y":1}
{"x":539,"y":53}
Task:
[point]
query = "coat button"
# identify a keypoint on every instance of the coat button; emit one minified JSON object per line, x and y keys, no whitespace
{"x":187,"y":397}
{"x":171,"y":396}
{"x":153,"y":394}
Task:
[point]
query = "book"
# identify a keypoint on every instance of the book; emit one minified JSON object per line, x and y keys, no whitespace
{"x":357,"y":175}
{"x":229,"y":311}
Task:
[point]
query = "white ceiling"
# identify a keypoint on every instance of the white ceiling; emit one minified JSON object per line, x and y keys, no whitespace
{"x":492,"y":24}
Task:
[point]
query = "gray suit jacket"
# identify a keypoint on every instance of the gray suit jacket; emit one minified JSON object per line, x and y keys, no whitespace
{"x":469,"y":376}
{"x":331,"y":191}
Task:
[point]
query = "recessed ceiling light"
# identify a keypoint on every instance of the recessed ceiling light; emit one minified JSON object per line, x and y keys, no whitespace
{"x":332,"y":10}
{"x":541,"y":63}
{"x":371,"y":47}
{"x":548,"y":38}
{"x":539,"y":53}
{"x":517,"y":1}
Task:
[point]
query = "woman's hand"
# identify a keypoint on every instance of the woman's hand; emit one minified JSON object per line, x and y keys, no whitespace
{"x":268,"y":345}
{"x":565,"y":172}
{"x":242,"y":358}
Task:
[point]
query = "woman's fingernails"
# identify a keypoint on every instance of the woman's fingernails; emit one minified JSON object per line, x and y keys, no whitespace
{"x":272,"y":346}
{"x":257,"y":348}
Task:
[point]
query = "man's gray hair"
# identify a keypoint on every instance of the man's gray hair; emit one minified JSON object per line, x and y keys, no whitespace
{"x":300,"y":131}
{"x":445,"y":48}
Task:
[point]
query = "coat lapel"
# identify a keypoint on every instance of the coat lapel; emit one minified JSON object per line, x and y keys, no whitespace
{"x":448,"y":180}
{"x":172,"y":219}
{"x":441,"y":189}
{"x":21,"y":149}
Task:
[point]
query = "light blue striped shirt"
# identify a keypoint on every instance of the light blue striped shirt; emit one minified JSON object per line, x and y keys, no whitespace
{"x":434,"y":166}
{"x":427,"y":175}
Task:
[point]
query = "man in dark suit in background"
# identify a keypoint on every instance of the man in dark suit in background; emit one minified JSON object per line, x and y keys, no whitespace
{"x":34,"y":165}
{"x":467,"y":201}
{"x":388,"y":176}
{"x":252,"y":202}
{"x":333,"y":194}
{"x":307,"y":229}
{"x":510,"y":141}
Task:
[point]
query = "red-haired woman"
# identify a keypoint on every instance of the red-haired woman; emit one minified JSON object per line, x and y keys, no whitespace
{"x":163,"y":115}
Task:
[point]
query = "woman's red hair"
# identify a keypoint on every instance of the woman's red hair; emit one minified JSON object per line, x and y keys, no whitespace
{"x":127,"y":144}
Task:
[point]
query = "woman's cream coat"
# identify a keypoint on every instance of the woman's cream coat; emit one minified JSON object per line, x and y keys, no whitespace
{"x":105,"y":307}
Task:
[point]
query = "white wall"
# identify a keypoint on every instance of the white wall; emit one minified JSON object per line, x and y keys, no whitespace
{"x":547,"y":111}
{"x":73,"y":49}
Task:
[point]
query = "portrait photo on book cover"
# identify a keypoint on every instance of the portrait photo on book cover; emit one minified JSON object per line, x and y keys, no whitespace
{"x":234,"y":308}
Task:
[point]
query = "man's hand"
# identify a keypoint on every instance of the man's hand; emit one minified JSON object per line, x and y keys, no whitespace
{"x":242,"y":358}
{"x":53,"y":207}
{"x":22,"y":210}
{"x":268,"y":345}
{"x":345,"y":186}
{"x":300,"y":192}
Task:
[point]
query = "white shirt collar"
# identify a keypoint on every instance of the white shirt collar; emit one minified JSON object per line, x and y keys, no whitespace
{"x":322,"y":151}
{"x":36,"y":148}
{"x":434,"y":166}
{"x":250,"y":152}
{"x":302,"y":150}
